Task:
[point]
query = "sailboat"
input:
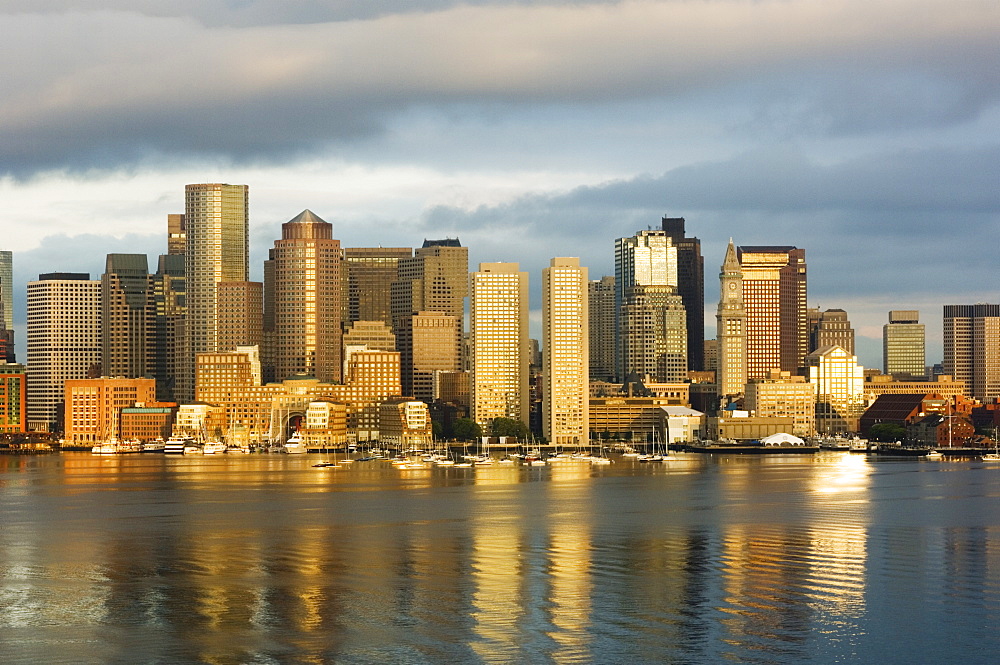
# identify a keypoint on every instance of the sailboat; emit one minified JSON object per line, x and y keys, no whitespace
{"x":995,"y":455}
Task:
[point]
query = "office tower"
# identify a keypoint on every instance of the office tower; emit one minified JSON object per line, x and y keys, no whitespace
{"x":565,"y":350}
{"x":646,"y":291}
{"x":367,"y":276}
{"x":13,"y":398}
{"x":304,"y":300}
{"x":126,"y":314}
{"x":216,"y":226}
{"x":840,"y":389}
{"x":774,"y":296}
{"x":428,"y":343}
{"x":499,"y":343}
{"x":653,"y":338}
{"x":241,"y":314}
{"x":6,"y":289}
{"x":782,"y":395}
{"x":64,"y":341}
{"x":601,"y":311}
{"x":829,"y":328}
{"x":371,"y":334}
{"x":6,"y":345}
{"x":972,"y":348}
{"x":434,"y":279}
{"x":176,"y":235}
{"x":903,"y":354}
{"x":168,"y":341}
{"x":731,"y":375}
{"x":691,"y":287}
{"x":93,"y":406}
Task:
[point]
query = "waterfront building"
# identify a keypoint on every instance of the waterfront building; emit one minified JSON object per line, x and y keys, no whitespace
{"x":216,"y":221}
{"x":64,"y":342}
{"x":324,"y":426}
{"x":652,"y":335}
{"x":731,"y":375}
{"x":149,"y":421}
{"x":884,"y":384}
{"x":840,"y":389}
{"x":13,"y":398}
{"x":903,"y":354}
{"x":774,"y":298}
{"x":972,"y":348}
{"x":830,"y":328}
{"x":631,"y":419}
{"x":565,"y":352}
{"x":428,"y":343}
{"x":126,"y":316}
{"x":683,"y":424}
{"x":602,"y":317}
{"x":740,"y":426}
{"x":499,"y":343}
{"x":902,"y":409}
{"x":691,"y":288}
{"x":304,"y":300}
{"x":405,"y":424}
{"x":784,"y":395}
{"x":221,"y":375}
{"x":367,"y":275}
{"x":93,"y":407}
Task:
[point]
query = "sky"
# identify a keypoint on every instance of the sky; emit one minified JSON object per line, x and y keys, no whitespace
{"x":865,"y":131}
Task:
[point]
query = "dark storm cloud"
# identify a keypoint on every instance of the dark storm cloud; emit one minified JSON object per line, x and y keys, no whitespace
{"x":112,"y":84}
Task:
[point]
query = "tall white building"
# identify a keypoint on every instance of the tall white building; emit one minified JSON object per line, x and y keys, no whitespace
{"x":499,"y":351}
{"x":64,"y":341}
{"x":565,"y":351}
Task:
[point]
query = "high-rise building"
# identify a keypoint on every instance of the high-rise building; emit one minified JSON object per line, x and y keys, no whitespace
{"x":167,"y":337}
{"x":774,"y":296}
{"x":304,"y":300}
{"x":13,"y":398}
{"x":499,"y":343}
{"x":646,"y":292}
{"x":601,"y":311}
{"x":176,"y":235}
{"x":565,"y":349}
{"x":428,"y":343}
{"x":216,"y":250}
{"x":64,"y":341}
{"x":840,"y":389}
{"x":653,"y":339}
{"x":691,"y":287}
{"x":903,"y":351}
{"x":6,"y":290}
{"x":731,"y":333}
{"x":829,"y":328}
{"x":240,"y":309}
{"x":366,"y":282}
{"x":783,"y":395}
{"x":126,"y":316}
{"x":972,"y":347}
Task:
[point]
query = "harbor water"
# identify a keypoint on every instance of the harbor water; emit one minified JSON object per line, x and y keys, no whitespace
{"x":227,"y":559}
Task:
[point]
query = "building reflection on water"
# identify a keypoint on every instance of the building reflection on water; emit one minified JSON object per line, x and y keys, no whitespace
{"x":270,"y":560}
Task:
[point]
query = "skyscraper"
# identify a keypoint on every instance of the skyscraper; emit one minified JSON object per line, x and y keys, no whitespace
{"x":64,"y":341}
{"x":830,"y":328}
{"x":691,"y":287}
{"x":774,"y":296}
{"x":216,"y":250}
{"x":565,"y":347}
{"x":304,"y":300}
{"x":601,"y":311}
{"x":168,"y":338}
{"x":126,"y":316}
{"x":366,"y":282}
{"x":428,"y":343}
{"x":731,"y":335}
{"x":903,"y":354}
{"x":499,"y":343}
{"x":972,"y":347}
{"x":6,"y":289}
{"x":646,"y":292}
{"x":176,"y":235}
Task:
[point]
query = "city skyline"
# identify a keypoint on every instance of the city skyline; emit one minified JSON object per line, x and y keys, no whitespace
{"x":864,"y":132}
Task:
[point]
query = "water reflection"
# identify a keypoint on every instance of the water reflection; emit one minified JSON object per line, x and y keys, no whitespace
{"x":258,"y":559}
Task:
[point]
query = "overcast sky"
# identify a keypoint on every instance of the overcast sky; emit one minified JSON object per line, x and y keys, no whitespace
{"x":865,"y":131}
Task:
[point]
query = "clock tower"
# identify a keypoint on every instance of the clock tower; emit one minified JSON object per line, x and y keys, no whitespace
{"x":731,"y":328}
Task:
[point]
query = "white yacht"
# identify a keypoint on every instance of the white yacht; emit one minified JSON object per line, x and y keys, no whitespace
{"x":213,"y":448}
{"x":295,"y":445}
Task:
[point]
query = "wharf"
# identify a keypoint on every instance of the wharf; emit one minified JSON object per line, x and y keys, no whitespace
{"x":746,"y":449}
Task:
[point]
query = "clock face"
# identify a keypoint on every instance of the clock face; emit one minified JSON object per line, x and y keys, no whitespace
{"x":732,"y":286}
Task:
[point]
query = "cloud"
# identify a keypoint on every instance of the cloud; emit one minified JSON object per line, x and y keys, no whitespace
{"x":128,"y":87}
